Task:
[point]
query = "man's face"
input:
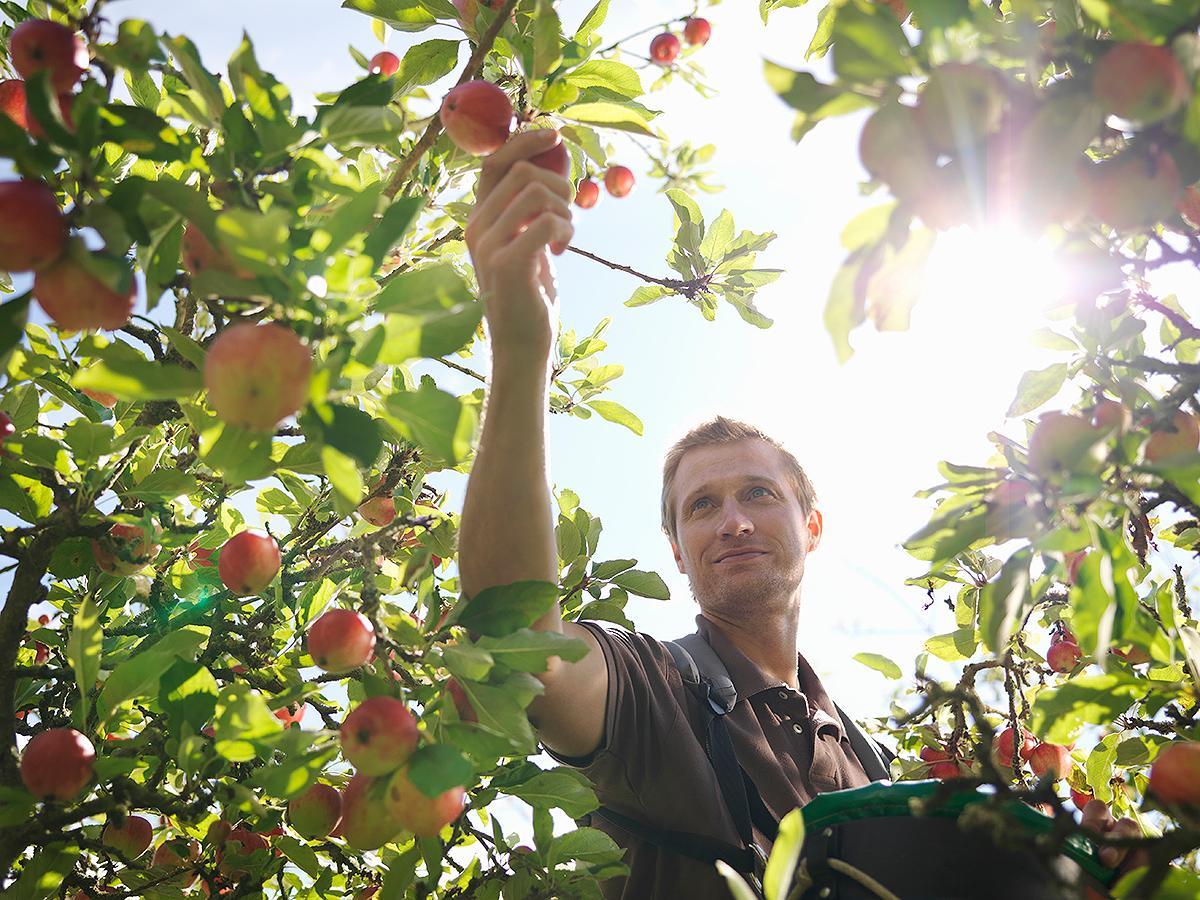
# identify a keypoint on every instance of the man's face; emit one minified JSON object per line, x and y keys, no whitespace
{"x":737,"y":497}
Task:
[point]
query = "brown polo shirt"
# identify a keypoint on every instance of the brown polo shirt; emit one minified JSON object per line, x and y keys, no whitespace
{"x":651,"y":765}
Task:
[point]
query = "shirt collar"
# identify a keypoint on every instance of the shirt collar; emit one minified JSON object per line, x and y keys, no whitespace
{"x":748,"y":679}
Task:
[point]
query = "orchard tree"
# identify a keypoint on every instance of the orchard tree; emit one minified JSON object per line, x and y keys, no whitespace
{"x":1067,"y":559}
{"x":214,"y":454}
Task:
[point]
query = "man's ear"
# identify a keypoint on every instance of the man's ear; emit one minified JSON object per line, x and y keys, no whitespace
{"x":678,"y":558}
{"x":815,"y":527}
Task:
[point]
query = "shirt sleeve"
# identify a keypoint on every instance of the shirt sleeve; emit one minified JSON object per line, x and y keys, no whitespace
{"x":643,"y":707}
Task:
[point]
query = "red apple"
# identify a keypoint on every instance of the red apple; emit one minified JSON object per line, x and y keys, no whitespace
{"x":41,"y":653}
{"x":38,"y":44}
{"x":1080,"y":799}
{"x":38,"y":232}
{"x":1050,"y":758}
{"x":618,"y":181}
{"x":477,"y":116}
{"x":697,"y":31}
{"x":1140,"y":83}
{"x":79,"y":301}
{"x":1134,"y":190}
{"x":57,"y":763}
{"x":198,"y":255}
{"x":1111,"y":414}
{"x":12,"y":101}
{"x":7,"y":429}
{"x":379,"y":511}
{"x":462,"y":702}
{"x":291,"y":715}
{"x":556,"y":159}
{"x":257,"y":375}
{"x":664,"y":48}
{"x":341,"y":640}
{"x":316,"y":812}
{"x":174,"y":854}
{"x":1002,"y":746}
{"x":419,"y":813}
{"x":587,"y":194}
{"x":245,"y":843}
{"x":944,"y":771}
{"x":1175,"y":774}
{"x":126,"y":549}
{"x":66,"y":105}
{"x":131,"y":838}
{"x":1182,"y":440}
{"x":43,"y":619}
{"x":1189,"y":206}
{"x":1063,"y":656}
{"x":248,"y":562}
{"x":385,"y":63}
{"x":108,"y":401}
{"x":934,"y":755}
{"x":379,"y":735}
{"x":367,"y":823}
{"x":1063,"y":444}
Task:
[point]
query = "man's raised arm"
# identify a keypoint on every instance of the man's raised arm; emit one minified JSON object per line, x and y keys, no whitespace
{"x":506,"y":531}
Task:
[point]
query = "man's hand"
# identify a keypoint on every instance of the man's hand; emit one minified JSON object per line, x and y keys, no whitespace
{"x":520,"y":209}
{"x":1097,"y":818}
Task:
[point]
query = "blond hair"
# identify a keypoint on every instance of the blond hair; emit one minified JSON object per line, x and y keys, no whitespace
{"x":718,"y":431}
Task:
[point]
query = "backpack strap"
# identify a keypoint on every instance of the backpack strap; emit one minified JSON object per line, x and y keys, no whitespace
{"x":874,"y":757}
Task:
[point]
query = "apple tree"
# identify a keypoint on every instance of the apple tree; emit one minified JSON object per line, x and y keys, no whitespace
{"x":234,"y":656}
{"x":1067,"y":559}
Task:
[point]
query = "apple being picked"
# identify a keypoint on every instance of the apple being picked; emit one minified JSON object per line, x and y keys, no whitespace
{"x":249,"y":561}
{"x":477,"y":115}
{"x":379,"y":735}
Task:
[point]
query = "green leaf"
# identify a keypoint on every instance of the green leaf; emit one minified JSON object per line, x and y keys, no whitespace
{"x":502,"y":609}
{"x":1037,"y":387}
{"x":879,"y":663}
{"x":785,"y":853}
{"x":608,"y":115}
{"x":558,"y":788}
{"x":139,"y":675}
{"x":188,"y":692}
{"x":132,"y":379}
{"x":352,"y":216}
{"x":547,"y":39}
{"x":83,"y":649}
{"x":436,"y":768}
{"x":299,"y":853}
{"x":393,"y":225}
{"x":243,"y":724}
{"x":349,"y":126}
{"x":403,"y":15}
{"x":953,"y":647}
{"x":587,"y":845}
{"x":431,"y":313}
{"x":644,"y":584}
{"x":351,"y":431}
{"x":207,"y":99}
{"x":593,"y":20}
{"x":467,"y":661}
{"x":869,"y":45}
{"x":1060,"y":714}
{"x":501,"y":709}
{"x":615,"y":412}
{"x":163,"y":485}
{"x":1003,"y":600}
{"x":528,"y":650}
{"x":437,"y":421}
{"x":424,"y":64}
{"x":605,"y":570}
{"x":608,"y":74}
{"x":343,"y":474}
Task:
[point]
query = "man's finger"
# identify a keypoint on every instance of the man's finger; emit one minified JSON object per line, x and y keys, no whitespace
{"x":519,"y":146}
{"x":1096,"y":816}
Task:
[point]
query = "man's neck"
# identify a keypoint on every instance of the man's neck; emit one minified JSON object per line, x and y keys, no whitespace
{"x":769,"y":642}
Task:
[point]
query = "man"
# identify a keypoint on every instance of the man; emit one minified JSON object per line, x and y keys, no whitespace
{"x":741,"y":517}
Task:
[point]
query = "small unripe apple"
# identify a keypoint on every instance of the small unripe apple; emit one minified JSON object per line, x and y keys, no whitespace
{"x":556,"y":159}
{"x":1002,"y":746}
{"x":316,"y":812}
{"x":1063,"y":444}
{"x":257,"y":375}
{"x":246,"y":842}
{"x":1184,"y":439}
{"x":79,"y":301}
{"x":367,"y":824}
{"x":38,"y":44}
{"x":248,"y":562}
{"x":1112,"y":414}
{"x":126,"y":549}
{"x":1175,"y":774}
{"x":697,"y":31}
{"x":1140,"y":83}
{"x":1050,"y":758}
{"x":664,"y":48}
{"x":587,"y":194}
{"x":462,"y":702}
{"x":37,"y":232}
{"x":341,"y":640}
{"x":385,"y":63}
{"x":419,"y":813}
{"x":12,"y":101}
{"x":1063,"y":656}
{"x":57,"y":763}
{"x":132,"y":838}
{"x":618,"y":181}
{"x":379,"y":735}
{"x":477,"y":115}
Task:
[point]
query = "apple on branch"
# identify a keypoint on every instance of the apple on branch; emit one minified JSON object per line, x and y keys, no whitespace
{"x":477,"y":116}
{"x":76,"y":297}
{"x":257,"y":375}
{"x":38,"y":230}
{"x":132,"y":837}
{"x":57,"y":763}
{"x":379,"y":735}
{"x":12,"y":101}
{"x":419,"y":813}
{"x":39,"y":44}
{"x":618,"y":181}
{"x":341,"y":640}
{"x":385,"y":63}
{"x":249,"y":561}
{"x":367,"y":822}
{"x":126,"y":549}
{"x":316,"y":812}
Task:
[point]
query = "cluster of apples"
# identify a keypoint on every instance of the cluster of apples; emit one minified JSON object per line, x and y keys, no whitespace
{"x":1006,"y":152}
{"x":665,"y":47}
{"x":378,"y":738}
{"x":478,"y":117}
{"x":40,"y":45}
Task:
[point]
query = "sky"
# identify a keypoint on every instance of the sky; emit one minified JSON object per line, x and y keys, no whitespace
{"x":869,"y":433}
